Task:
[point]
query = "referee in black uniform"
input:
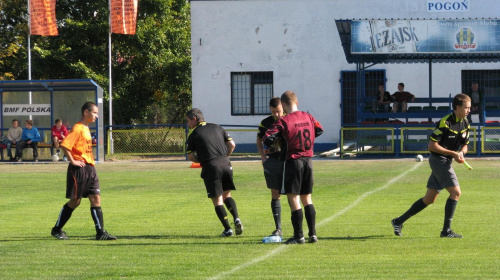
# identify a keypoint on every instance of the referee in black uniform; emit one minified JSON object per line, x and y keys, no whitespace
{"x":210,"y":145}
{"x":448,"y":141}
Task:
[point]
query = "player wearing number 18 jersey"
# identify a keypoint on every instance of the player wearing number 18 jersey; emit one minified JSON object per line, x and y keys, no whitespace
{"x":297,"y":132}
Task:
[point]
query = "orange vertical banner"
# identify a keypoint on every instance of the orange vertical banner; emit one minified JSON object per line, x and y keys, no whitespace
{"x":43,"y":18}
{"x":124,"y":16}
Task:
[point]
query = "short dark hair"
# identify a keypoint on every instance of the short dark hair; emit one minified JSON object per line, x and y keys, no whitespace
{"x":459,"y":100}
{"x":57,"y":120}
{"x":275,"y":102}
{"x":195,"y":113}
{"x":381,"y":84}
{"x":88,"y":106}
{"x":401,"y":84}
{"x":15,"y":120}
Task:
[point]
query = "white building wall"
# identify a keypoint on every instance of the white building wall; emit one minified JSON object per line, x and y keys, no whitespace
{"x":299,"y":42}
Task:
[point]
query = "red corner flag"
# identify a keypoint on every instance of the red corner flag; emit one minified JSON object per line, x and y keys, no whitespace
{"x":43,"y":17}
{"x":124,"y":16}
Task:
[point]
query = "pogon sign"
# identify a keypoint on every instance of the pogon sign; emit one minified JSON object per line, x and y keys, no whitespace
{"x":26,"y":109}
{"x":437,"y":6}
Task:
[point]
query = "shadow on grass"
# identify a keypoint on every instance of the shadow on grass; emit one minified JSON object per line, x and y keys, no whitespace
{"x":178,"y":239}
{"x":353,"y":238}
{"x":129,"y":240}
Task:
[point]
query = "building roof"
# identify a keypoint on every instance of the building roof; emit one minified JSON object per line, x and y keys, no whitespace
{"x":344,"y":29}
{"x":48,"y":85}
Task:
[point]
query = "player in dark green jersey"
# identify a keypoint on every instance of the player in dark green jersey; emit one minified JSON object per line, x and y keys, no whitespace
{"x":210,"y":145}
{"x":448,"y":141}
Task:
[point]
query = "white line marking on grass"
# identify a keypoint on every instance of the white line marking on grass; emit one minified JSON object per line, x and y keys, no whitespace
{"x":325,"y":221}
{"x":254,"y":261}
{"x":363,"y":196}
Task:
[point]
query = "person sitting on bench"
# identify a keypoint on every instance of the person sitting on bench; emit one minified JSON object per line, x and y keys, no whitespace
{"x":58,"y":132}
{"x":30,"y":137}
{"x":13,"y":137}
{"x":401,"y":99}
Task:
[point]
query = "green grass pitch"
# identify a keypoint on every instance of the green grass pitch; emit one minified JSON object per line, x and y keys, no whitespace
{"x":167,"y":227}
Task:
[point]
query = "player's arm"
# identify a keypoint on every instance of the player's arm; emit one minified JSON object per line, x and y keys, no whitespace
{"x":436,"y":148}
{"x":71,"y":159}
{"x":465,"y":145}
{"x":260,"y":147}
{"x":272,"y":134}
{"x":230,"y":147}
{"x":318,"y":129}
{"x":192,"y":157}
{"x":464,"y":149}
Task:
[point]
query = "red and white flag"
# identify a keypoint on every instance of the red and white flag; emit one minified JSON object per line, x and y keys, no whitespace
{"x":43,"y":18}
{"x":124,"y":16}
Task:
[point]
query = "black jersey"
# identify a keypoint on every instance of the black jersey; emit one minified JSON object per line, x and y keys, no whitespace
{"x":208,"y":140}
{"x":387,"y":96}
{"x":265,"y":124}
{"x":451,"y":132}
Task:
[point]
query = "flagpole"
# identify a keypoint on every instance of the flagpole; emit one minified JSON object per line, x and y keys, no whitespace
{"x":29,"y":43}
{"x":29,"y":53}
{"x":110,"y":89}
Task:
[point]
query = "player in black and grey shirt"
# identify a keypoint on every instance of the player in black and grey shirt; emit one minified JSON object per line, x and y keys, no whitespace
{"x":273,"y":166}
{"x":448,"y":141}
{"x":210,"y":145}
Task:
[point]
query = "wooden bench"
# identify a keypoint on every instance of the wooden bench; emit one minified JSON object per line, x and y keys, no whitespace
{"x":41,"y":145}
{"x":421,"y":109}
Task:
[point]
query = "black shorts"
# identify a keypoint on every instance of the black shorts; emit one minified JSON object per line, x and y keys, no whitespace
{"x":273,"y":172}
{"x":81,"y":181}
{"x":298,"y":176}
{"x":218,"y":176}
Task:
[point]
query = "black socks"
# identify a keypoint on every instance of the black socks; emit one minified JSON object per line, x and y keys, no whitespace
{"x":276,"y":209}
{"x":64,"y":216}
{"x":222,"y":214}
{"x":418,"y":206}
{"x":98,"y":219}
{"x":297,"y":218}
{"x":310,"y":214}
{"x":449,"y":210}
{"x":231,"y":206}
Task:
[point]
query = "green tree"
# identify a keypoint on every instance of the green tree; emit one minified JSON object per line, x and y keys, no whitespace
{"x":151,"y":69}
{"x":13,"y":30}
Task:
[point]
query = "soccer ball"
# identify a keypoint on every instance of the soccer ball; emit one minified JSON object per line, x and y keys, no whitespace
{"x":419,"y":158}
{"x":55,"y":158}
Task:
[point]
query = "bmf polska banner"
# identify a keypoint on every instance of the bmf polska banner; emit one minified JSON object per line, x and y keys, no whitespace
{"x":26,"y":109}
{"x":43,"y":17}
{"x":425,"y":36}
{"x":124,"y":16}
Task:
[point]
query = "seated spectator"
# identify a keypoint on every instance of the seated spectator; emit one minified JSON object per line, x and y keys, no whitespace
{"x":477,"y":107}
{"x":13,"y":137}
{"x":30,"y":137}
{"x":58,"y":132}
{"x":401,"y":99}
{"x":383,"y":101}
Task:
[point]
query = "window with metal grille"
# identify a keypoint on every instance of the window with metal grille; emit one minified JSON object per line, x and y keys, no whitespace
{"x":251,"y":92}
{"x":488,"y":81}
{"x":349,"y":88}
